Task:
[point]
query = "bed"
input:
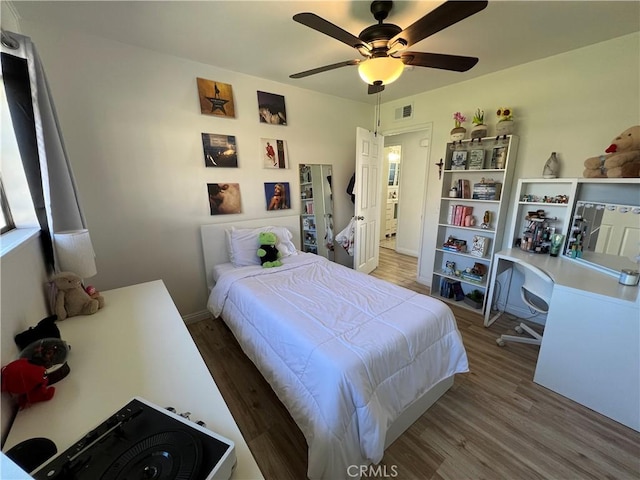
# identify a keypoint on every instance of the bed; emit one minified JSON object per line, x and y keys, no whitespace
{"x":354,"y":359}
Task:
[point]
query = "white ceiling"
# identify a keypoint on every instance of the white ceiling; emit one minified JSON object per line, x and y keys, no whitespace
{"x":260,"y":38}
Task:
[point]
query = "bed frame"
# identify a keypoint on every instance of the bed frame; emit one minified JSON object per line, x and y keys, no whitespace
{"x":214,"y":242}
{"x":215,"y":251}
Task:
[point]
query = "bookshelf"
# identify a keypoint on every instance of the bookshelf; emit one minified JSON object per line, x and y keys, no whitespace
{"x":544,"y":206}
{"x":476,"y":182}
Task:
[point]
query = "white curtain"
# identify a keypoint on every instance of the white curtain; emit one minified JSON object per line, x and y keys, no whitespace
{"x":40,"y":141}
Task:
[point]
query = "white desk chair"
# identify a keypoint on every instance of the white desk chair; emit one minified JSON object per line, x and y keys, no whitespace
{"x":536,"y":293}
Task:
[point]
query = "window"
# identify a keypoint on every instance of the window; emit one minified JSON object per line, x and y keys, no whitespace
{"x":6,"y":220}
{"x":16,"y":204}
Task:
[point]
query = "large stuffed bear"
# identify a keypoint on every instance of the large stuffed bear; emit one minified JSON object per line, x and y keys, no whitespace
{"x":268,"y":253}
{"x":71,"y":299}
{"x":622,"y":159}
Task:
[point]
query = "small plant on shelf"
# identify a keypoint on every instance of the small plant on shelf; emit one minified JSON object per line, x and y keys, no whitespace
{"x":474,"y":298}
{"x":480,"y":130}
{"x":505,"y":121}
{"x":478,"y":118}
{"x":505,"y":114}
{"x":458,"y":133}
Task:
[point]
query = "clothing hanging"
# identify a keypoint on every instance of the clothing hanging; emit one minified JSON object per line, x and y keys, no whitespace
{"x":347,"y":237}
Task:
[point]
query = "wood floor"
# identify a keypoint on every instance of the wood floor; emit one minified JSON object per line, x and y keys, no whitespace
{"x":494,"y":423}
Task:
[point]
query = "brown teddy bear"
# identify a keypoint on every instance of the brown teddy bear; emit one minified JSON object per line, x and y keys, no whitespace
{"x":71,"y":299}
{"x":622,"y":159}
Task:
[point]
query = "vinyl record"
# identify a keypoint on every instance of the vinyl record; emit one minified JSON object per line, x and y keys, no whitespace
{"x":171,"y":455}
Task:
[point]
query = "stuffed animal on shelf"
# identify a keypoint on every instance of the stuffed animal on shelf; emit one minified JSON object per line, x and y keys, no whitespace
{"x":622,"y":159}
{"x":45,"y":328}
{"x":71,"y":299}
{"x":268,"y":253}
{"x":27,"y":382}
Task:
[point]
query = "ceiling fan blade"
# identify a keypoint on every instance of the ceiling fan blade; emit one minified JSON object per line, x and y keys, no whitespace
{"x":371,"y":89}
{"x":442,"y":17}
{"x":312,"y":20}
{"x":324,"y":69}
{"x":456,"y":63}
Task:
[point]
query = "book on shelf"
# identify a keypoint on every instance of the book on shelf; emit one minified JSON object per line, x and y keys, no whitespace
{"x":459,"y":160}
{"x":486,"y":191}
{"x":451,"y":214}
{"x":455,"y":245}
{"x":466,"y":211}
{"x":458,"y":215}
{"x":464,"y":188}
{"x":479,"y":246}
{"x":476,"y":159}
{"x":451,"y":289}
{"x":472,"y":277}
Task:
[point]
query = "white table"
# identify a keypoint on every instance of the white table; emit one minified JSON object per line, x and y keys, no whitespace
{"x":138,"y":345}
{"x":590,"y":349}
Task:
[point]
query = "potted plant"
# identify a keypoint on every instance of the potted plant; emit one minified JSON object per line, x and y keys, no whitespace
{"x":474,"y":298}
{"x":480,"y":129}
{"x":458,"y":132}
{"x":505,"y":121}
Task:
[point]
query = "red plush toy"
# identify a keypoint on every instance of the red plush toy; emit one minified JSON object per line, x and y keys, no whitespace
{"x":27,"y":381}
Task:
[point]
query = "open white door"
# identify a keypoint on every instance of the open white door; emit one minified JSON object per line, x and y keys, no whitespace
{"x":367,"y":204}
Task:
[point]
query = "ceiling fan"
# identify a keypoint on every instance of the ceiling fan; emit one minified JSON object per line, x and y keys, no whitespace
{"x":383,"y":45}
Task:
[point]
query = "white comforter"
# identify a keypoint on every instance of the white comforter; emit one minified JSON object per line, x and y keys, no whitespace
{"x":346,"y":353}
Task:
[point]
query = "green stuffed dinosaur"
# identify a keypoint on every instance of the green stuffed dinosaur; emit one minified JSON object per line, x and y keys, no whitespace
{"x":268,"y":253}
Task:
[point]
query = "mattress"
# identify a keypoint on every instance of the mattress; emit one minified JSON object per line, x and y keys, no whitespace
{"x":346,"y":353}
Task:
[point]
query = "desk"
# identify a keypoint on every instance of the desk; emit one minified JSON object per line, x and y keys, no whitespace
{"x":590,"y":349}
{"x":138,"y":345}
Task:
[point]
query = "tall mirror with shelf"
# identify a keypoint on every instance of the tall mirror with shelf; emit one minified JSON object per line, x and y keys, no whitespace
{"x":316,"y":211}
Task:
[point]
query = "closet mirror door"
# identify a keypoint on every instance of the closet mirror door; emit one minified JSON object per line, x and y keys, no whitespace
{"x":316,"y":210}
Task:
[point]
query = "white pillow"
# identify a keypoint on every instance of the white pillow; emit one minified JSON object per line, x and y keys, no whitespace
{"x":243,"y":244}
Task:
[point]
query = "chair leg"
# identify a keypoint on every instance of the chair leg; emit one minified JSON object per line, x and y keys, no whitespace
{"x":536,"y":340}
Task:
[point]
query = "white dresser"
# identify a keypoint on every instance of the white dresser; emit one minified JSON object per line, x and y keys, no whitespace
{"x":138,"y":345}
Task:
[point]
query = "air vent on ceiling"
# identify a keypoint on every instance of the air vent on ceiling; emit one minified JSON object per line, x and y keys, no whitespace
{"x":405,"y":112}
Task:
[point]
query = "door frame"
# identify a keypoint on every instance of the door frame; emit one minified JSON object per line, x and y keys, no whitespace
{"x":427,"y":127}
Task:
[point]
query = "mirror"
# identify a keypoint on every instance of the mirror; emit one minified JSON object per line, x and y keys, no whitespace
{"x":605,"y":234}
{"x":316,"y":210}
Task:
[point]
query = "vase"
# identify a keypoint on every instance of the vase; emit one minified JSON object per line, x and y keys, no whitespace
{"x":551,"y":167}
{"x":479,"y":131}
{"x":458,"y":133}
{"x":504,"y":127}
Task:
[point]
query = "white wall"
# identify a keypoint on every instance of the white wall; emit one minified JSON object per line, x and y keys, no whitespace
{"x":574,"y":104}
{"x":132,"y":126}
{"x":23,"y":280}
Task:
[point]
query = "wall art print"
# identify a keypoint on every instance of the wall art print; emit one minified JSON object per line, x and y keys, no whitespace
{"x":277,"y":196}
{"x":224,"y":198}
{"x":274,"y":153}
{"x":216,"y":98}
{"x":219,"y":150}
{"x":271,"y":108}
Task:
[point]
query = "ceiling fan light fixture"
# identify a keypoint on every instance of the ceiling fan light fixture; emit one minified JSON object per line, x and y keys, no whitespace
{"x":380,"y":69}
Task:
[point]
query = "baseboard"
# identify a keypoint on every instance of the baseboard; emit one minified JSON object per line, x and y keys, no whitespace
{"x":196,"y":317}
{"x":404,"y":251}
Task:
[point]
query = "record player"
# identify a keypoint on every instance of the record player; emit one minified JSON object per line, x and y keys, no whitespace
{"x":144,"y":441}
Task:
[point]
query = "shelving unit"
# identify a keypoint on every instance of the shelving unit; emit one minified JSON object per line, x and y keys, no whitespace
{"x":555,"y":197}
{"x":497,"y":152}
